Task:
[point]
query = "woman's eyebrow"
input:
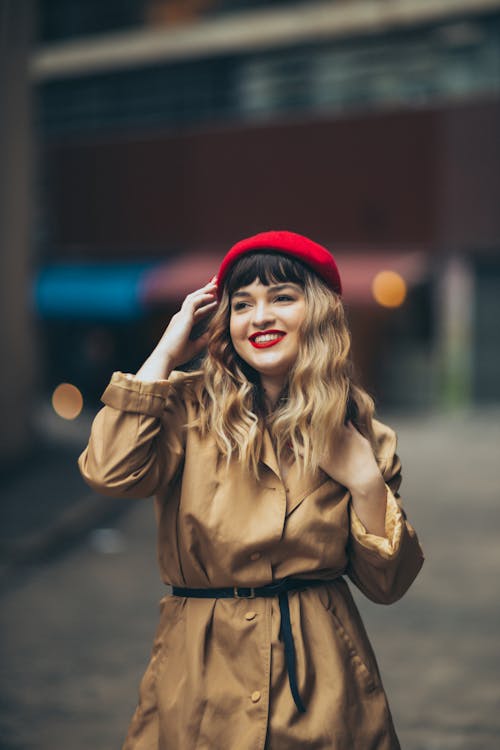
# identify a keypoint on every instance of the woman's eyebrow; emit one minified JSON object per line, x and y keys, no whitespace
{"x":273,"y":288}
{"x":280,"y":287}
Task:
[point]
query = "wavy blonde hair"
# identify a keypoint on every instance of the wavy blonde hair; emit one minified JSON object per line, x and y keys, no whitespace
{"x":320,"y":392}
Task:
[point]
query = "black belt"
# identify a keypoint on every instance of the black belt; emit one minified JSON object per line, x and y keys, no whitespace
{"x":279,"y":589}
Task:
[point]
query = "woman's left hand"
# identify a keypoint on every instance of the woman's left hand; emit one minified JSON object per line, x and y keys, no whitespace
{"x":351,"y":461}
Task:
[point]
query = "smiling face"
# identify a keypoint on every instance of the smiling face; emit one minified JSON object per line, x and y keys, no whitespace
{"x":265,"y":323}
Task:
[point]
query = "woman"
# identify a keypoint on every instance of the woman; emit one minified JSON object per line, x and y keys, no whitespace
{"x":272,"y":481}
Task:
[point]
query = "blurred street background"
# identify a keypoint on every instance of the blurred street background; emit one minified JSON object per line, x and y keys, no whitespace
{"x":139,"y":139}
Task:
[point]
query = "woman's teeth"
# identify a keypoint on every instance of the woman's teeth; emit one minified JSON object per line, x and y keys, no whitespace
{"x":267,"y":337}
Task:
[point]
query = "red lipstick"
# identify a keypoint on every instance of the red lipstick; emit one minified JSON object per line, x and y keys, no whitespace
{"x":266,"y":344}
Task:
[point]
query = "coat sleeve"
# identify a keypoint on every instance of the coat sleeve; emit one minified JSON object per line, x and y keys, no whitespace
{"x":383,"y":568}
{"x":137,"y":440}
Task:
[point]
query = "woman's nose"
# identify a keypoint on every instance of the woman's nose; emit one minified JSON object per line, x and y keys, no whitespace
{"x":262,"y":314}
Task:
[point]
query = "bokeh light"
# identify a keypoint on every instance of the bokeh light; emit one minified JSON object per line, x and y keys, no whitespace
{"x":67,"y":401}
{"x":389,"y":289}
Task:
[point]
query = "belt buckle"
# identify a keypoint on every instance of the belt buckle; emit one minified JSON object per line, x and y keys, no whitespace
{"x":237,"y":595}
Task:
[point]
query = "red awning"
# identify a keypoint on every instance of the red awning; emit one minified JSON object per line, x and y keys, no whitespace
{"x":171,"y":281}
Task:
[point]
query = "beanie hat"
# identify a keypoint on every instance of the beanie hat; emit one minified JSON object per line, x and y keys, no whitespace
{"x":317,"y":257}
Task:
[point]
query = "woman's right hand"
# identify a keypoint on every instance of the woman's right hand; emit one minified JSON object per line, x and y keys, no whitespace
{"x":175,"y":346}
{"x":176,"y":341}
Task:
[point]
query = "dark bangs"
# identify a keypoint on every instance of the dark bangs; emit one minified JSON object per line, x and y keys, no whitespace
{"x":269,"y":267}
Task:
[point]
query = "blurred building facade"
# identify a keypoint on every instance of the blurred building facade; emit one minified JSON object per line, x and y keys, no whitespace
{"x":18,"y":344}
{"x":168,"y":130}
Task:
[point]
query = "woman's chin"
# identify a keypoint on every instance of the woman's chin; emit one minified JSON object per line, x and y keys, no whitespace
{"x":271,"y":371}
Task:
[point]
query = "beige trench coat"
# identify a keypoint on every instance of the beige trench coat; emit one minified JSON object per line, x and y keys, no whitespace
{"x":217,"y":678}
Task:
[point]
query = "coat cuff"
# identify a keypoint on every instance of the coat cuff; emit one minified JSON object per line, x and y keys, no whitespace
{"x":127,"y":393}
{"x":386,"y":547}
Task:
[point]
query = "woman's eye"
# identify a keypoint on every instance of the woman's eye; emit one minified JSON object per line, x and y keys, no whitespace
{"x":239,"y":306}
{"x":284,"y":297}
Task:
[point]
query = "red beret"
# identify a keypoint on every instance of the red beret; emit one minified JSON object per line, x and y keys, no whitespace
{"x":313,"y":255}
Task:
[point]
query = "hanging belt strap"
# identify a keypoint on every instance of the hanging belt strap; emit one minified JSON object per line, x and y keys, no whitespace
{"x":279,"y":589}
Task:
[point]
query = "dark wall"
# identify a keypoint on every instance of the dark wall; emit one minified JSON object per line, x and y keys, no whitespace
{"x":426,"y":177}
{"x":469,"y":180}
{"x":350,"y":180}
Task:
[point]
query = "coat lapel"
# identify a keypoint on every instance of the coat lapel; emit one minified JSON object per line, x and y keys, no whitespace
{"x":268,"y":456}
{"x":299,"y":487}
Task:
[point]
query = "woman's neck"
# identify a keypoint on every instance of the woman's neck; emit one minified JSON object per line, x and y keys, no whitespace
{"x":272,"y":389}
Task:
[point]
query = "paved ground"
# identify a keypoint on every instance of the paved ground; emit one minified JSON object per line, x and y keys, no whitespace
{"x":76,"y":629}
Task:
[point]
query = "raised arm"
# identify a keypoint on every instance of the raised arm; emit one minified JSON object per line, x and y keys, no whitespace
{"x":137,"y":440}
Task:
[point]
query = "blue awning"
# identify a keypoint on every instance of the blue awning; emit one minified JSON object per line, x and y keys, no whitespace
{"x":104,"y":291}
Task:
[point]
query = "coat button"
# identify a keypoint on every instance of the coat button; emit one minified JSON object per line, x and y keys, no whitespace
{"x":255,"y":556}
{"x":255,"y":696}
{"x":250,"y":615}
